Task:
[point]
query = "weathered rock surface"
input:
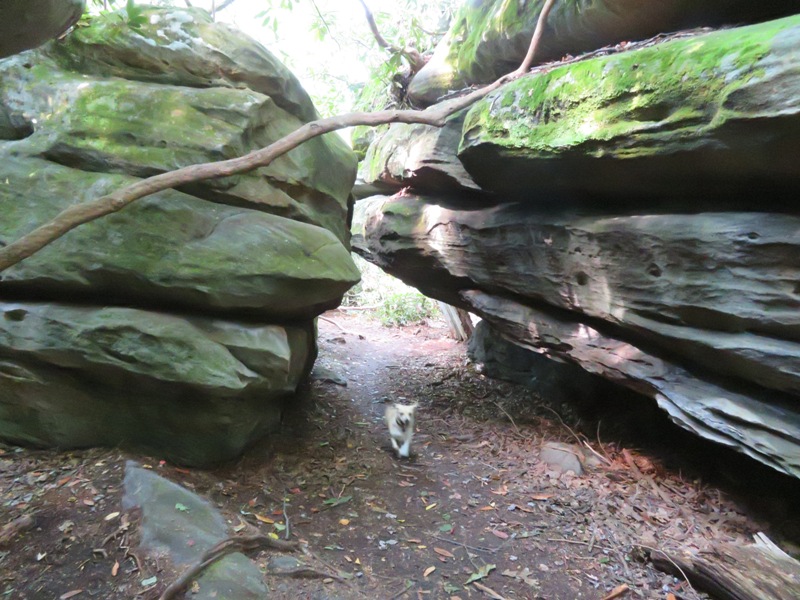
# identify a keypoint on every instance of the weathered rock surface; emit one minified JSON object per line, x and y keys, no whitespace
{"x":759,"y":423}
{"x":489,"y":38}
{"x":559,"y":382}
{"x":171,"y":249}
{"x":25,"y":24}
{"x":181,"y":323}
{"x":419,"y":156}
{"x":171,"y":515}
{"x":706,"y":115}
{"x":716,"y":288}
{"x":638,"y":219}
{"x":194,"y":389}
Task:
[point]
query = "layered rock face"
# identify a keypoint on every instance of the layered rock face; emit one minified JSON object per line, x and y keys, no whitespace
{"x":180,"y":323}
{"x":636,"y":216}
{"x":489,"y":38}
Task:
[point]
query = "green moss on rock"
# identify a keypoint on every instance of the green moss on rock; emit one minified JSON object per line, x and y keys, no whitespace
{"x":724,"y":101}
{"x":490,"y":37}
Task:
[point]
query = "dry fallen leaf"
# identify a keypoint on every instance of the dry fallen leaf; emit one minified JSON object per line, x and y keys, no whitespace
{"x":264,"y":519}
{"x":71,"y":594}
{"x":541,"y":496}
{"x":111,"y":516}
{"x":344,"y":521}
{"x":501,"y":534}
{"x":443,"y":552}
{"x":115,"y":569}
{"x":430,"y":506}
{"x":413,"y":541}
{"x":428,"y":571}
{"x":501,"y":491}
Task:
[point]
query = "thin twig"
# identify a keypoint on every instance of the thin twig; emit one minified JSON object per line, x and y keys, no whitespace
{"x":567,"y":427}
{"x":224,"y":5}
{"x":487,"y":590}
{"x":674,"y":564}
{"x":457,"y":543}
{"x":510,"y":418}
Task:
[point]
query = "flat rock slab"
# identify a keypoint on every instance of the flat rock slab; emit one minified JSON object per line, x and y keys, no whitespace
{"x":180,"y":526}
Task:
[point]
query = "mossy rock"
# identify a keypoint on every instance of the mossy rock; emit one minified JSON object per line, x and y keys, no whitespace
{"x":489,"y":38}
{"x":715,"y":114}
{"x":196,"y":391}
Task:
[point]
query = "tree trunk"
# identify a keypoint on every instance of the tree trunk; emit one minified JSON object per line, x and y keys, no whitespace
{"x":458,"y":321}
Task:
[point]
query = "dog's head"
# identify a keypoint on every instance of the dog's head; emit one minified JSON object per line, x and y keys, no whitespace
{"x":404,"y":415}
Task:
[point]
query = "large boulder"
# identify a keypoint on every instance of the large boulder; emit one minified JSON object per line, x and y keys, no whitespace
{"x":638,"y":218}
{"x":489,"y":38}
{"x":183,"y":322}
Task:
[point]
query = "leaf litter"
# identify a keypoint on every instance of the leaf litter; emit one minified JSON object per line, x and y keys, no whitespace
{"x":473,"y":495}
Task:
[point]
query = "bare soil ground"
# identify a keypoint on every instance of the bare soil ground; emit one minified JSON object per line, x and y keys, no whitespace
{"x":472,"y":514}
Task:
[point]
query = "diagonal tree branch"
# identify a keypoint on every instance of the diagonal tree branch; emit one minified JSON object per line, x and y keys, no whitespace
{"x":78,"y":214}
{"x":411,"y":54}
{"x":536,"y":38}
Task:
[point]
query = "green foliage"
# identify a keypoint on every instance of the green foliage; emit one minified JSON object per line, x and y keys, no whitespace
{"x":394,"y":303}
{"x":403,"y":308}
{"x":133,"y":13}
{"x":135,"y":16}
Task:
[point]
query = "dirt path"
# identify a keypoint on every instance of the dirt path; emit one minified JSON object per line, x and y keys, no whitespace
{"x":473,"y":513}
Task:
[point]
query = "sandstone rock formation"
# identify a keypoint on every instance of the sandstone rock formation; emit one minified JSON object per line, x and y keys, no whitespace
{"x":489,"y":38}
{"x":180,"y":323}
{"x":637,"y":217}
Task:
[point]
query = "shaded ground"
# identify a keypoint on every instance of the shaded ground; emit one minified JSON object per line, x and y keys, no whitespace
{"x":474,"y":502}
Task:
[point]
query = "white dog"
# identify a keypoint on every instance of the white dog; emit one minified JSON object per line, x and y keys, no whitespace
{"x":400,"y":421}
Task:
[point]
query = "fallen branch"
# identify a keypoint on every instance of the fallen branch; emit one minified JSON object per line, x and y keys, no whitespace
{"x":223,"y":548}
{"x":76,"y":215}
{"x":733,"y":572}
